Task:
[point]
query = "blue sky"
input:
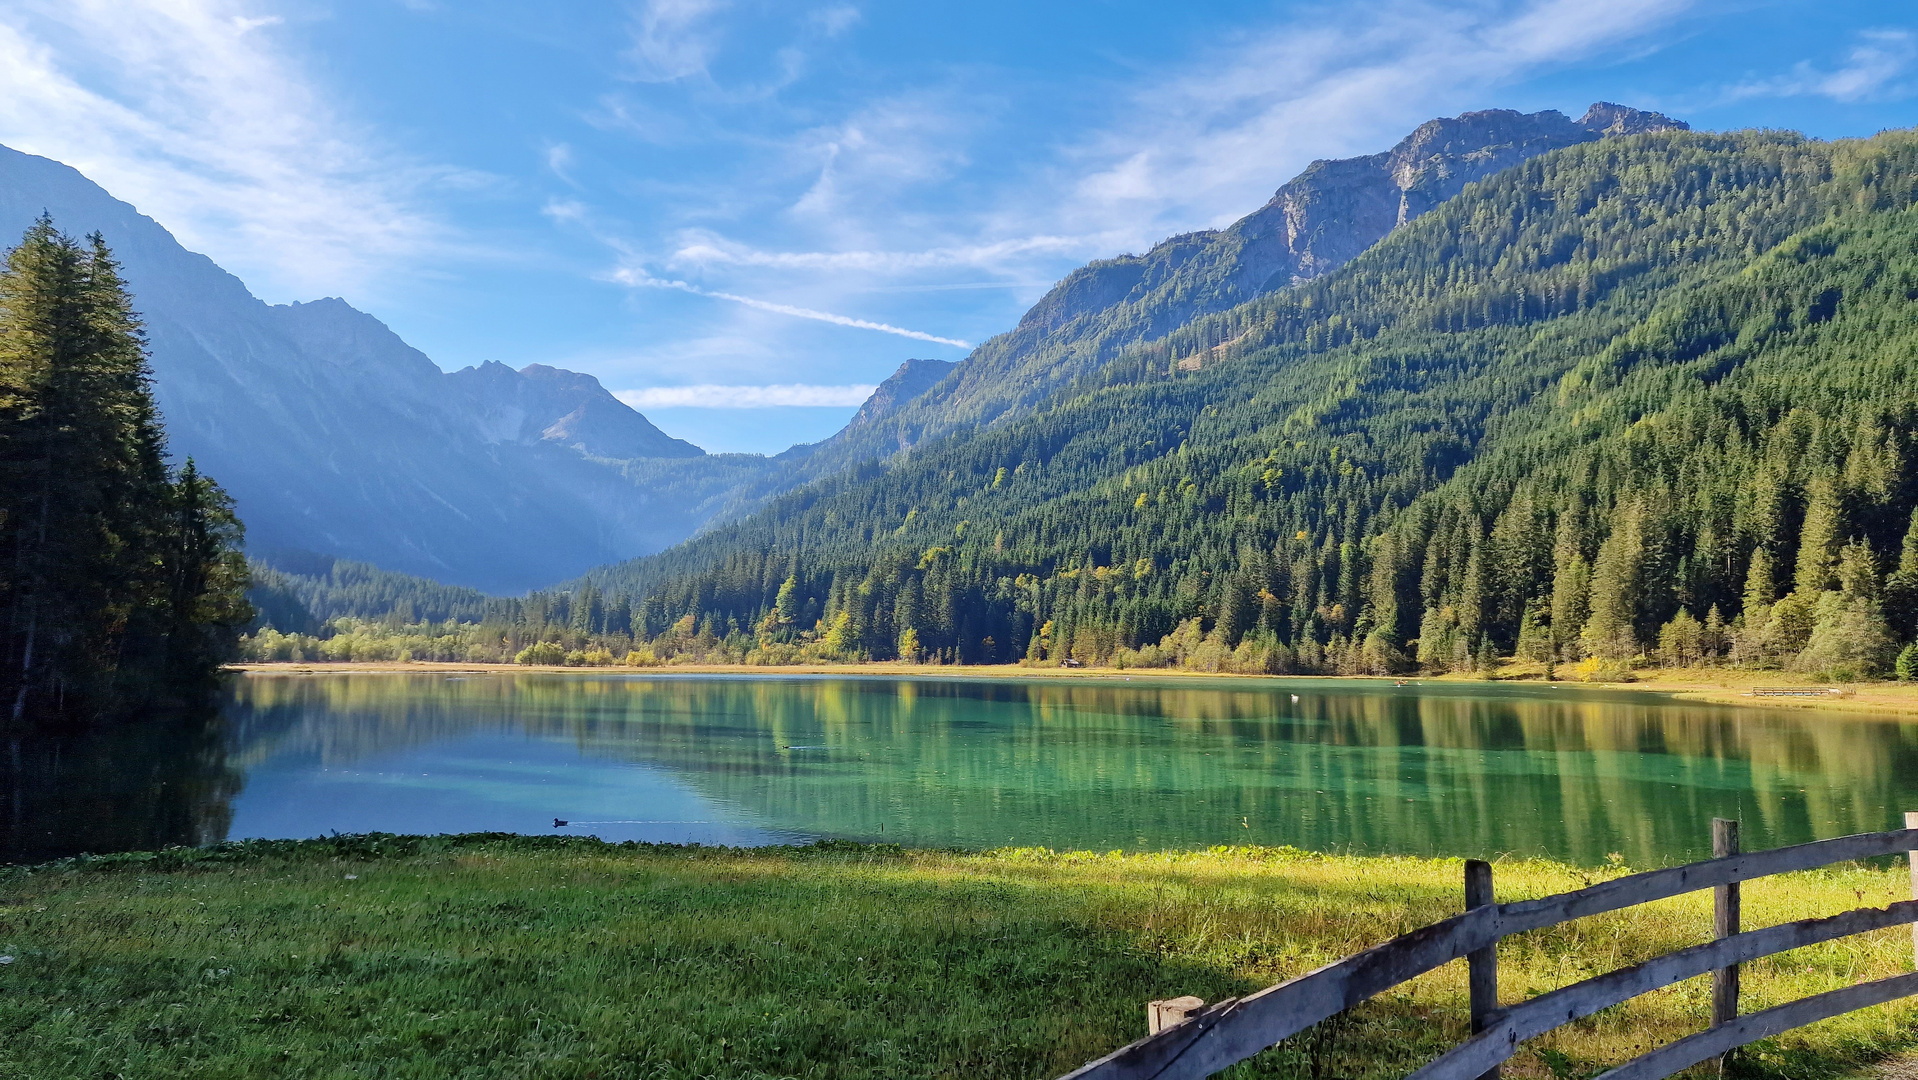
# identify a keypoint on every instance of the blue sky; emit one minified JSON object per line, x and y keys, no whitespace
{"x":740,"y":214}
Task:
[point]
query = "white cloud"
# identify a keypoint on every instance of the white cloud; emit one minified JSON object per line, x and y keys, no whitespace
{"x":1206,"y":146}
{"x":190,"y":110}
{"x":641,"y":279}
{"x":835,"y":20}
{"x":1874,"y":69}
{"x":708,"y":396}
{"x":559,"y":158}
{"x":1196,"y":145}
{"x":876,"y":154}
{"x":708,"y":249}
{"x":672,"y":39}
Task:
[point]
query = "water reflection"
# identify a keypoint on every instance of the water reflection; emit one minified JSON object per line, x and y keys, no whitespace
{"x":1362,"y":766}
{"x":1452,"y":769}
{"x":138,"y":786}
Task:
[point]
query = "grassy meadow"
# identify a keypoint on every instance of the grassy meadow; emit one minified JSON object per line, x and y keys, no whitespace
{"x":500,"y":956}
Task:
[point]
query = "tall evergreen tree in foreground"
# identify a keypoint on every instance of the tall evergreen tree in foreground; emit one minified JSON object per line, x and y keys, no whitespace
{"x":120,"y":582}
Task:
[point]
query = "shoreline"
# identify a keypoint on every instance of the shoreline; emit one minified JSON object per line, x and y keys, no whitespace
{"x":1696,"y":686}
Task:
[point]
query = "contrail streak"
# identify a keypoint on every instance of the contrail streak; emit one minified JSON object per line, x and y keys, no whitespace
{"x":645,"y":280}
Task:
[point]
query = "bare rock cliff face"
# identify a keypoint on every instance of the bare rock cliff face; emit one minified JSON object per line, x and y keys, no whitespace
{"x":539,"y":404}
{"x":1334,"y":210}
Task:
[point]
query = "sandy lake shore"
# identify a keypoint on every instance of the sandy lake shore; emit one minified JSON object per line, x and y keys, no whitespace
{"x":1714,"y":685}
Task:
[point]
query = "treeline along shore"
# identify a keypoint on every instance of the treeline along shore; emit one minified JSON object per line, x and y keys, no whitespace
{"x":1648,"y":400}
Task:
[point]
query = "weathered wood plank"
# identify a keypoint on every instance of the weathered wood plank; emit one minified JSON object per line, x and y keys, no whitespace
{"x":1234,"y":1032}
{"x":1911,"y":825}
{"x":1530,"y":1019}
{"x":1748,"y":1029}
{"x":1160,"y":1015}
{"x":1726,"y":916}
{"x":1527,"y":915}
{"x":1482,"y":975}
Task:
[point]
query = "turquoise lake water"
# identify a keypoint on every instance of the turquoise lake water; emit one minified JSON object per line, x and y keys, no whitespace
{"x":1358,"y":765}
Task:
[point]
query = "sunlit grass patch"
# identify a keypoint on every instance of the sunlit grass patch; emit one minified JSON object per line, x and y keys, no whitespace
{"x":551,"y":957}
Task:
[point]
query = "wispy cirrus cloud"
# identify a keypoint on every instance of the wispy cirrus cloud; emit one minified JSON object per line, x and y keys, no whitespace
{"x":775,"y":396}
{"x":193,"y":111}
{"x":1193,"y":145}
{"x":1203,"y":146}
{"x":641,"y":279}
{"x":673,"y":39}
{"x":1878,"y":66}
{"x":708,"y":249}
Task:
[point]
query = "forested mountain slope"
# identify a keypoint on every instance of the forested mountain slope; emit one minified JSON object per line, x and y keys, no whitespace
{"x":1315,"y":223}
{"x":1626,"y":377}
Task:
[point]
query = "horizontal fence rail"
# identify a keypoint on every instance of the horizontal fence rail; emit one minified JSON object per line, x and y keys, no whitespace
{"x":1746,"y":1030}
{"x":1541,"y":1014}
{"x":1230,"y":1031}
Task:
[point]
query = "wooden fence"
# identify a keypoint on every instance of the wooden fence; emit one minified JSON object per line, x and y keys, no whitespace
{"x":1215,"y":1036}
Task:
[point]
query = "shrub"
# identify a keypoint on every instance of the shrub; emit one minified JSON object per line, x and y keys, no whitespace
{"x":541,"y":653}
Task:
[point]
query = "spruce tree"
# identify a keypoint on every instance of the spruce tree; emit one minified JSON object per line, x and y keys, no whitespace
{"x":116,"y":582}
{"x":1901,"y":587}
{"x":1818,"y":539}
{"x":1617,"y":577}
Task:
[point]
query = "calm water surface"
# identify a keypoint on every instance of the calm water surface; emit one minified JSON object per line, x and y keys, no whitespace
{"x":1322,"y":764}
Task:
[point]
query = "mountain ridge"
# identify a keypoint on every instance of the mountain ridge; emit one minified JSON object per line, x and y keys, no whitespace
{"x":1316,"y":222}
{"x":1644,"y":393}
{"x":331,"y":432}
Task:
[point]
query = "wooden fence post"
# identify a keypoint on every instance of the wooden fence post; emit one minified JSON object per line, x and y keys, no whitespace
{"x":1160,"y":1015}
{"x":1726,"y":919}
{"x":1482,"y":964}
{"x":1911,"y":822}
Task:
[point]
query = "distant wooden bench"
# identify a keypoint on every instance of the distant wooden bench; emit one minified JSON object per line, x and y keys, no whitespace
{"x":1797,"y":691}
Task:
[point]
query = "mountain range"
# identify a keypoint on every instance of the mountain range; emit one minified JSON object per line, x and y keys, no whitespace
{"x":337,"y":438}
{"x":1649,"y":389}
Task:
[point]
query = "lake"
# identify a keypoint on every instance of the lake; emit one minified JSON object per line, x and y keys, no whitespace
{"x":1325,"y":764}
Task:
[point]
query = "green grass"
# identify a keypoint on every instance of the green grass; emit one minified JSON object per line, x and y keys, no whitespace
{"x":556,"y":957}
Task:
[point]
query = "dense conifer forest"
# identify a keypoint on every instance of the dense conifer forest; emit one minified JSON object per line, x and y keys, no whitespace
{"x":1643,"y":399}
{"x":121,"y":582}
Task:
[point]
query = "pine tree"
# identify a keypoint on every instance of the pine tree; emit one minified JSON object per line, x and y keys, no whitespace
{"x":116,"y":581}
{"x":1571,"y":580}
{"x":1761,"y":589}
{"x":1901,"y":587}
{"x":1818,"y":539}
{"x":1617,"y":577}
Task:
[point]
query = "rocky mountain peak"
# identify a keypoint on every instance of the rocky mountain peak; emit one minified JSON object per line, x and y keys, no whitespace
{"x":1317,"y":222}
{"x":1605,"y":118}
{"x":540,"y":403}
{"x":913,"y":378}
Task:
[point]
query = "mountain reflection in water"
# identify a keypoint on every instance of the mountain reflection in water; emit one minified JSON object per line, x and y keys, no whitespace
{"x":1466,"y":769}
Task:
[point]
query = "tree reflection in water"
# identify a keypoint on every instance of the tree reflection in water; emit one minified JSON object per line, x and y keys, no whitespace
{"x":136,"y":785}
{"x":1463,"y":769}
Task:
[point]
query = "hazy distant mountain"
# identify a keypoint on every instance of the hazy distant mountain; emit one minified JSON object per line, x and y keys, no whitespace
{"x":547,"y":404}
{"x":336,"y":436}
